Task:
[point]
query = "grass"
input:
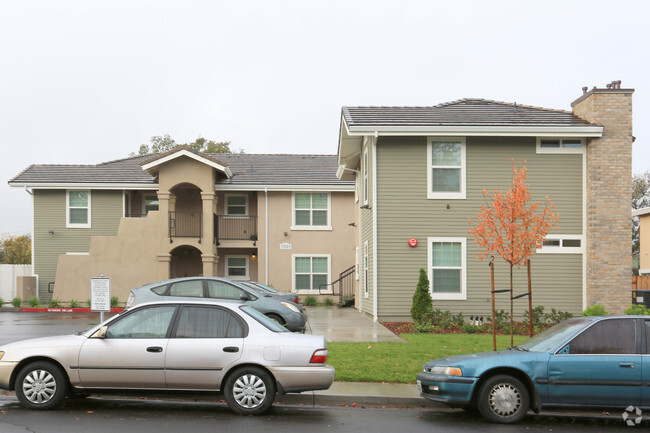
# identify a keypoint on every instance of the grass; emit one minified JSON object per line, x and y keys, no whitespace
{"x":400,"y":362}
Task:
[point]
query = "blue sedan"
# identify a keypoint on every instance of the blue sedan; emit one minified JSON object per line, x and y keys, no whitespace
{"x":581,"y":362}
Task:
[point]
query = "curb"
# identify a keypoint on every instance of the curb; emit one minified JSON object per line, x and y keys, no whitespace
{"x":55,"y":310}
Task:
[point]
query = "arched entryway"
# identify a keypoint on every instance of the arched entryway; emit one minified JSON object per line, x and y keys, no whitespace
{"x":185,"y":262}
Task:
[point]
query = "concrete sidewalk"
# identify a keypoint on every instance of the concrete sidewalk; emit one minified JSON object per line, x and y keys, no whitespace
{"x":346,"y":324}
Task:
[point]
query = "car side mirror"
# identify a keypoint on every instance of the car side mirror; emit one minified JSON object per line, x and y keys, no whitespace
{"x":100,"y":333}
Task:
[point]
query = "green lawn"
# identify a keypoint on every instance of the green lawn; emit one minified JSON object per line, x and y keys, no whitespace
{"x":400,"y":362}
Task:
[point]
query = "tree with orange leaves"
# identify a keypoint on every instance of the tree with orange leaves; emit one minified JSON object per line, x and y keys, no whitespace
{"x":513,"y":229}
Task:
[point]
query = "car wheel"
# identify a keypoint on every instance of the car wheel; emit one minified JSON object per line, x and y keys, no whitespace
{"x":503,"y":399}
{"x":41,"y":385}
{"x":250,"y":391}
{"x":276,"y":318}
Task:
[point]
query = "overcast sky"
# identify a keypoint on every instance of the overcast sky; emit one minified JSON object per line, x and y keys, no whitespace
{"x":82,"y":82}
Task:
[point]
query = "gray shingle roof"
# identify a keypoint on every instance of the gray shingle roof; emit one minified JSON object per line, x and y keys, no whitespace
{"x":247,"y":169}
{"x":464,"y":112}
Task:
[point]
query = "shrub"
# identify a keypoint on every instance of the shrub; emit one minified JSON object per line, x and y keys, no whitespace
{"x":74,"y":303}
{"x":33,"y":302}
{"x":556,"y":316}
{"x":501,"y":320}
{"x":55,"y":303}
{"x":637,"y":310}
{"x":468,"y":328}
{"x":329,"y":302}
{"x":2,"y":301}
{"x":310,"y":301}
{"x":423,"y":327}
{"x":115,"y":301}
{"x":538,"y":315}
{"x":596,"y":310}
{"x":16,"y":302}
{"x":422,"y":307}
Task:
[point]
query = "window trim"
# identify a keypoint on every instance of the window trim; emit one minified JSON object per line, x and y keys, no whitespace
{"x":293,"y":273}
{"x":366,"y":286}
{"x":460,"y":195}
{"x":227,"y":268}
{"x":462,"y":295}
{"x":366,"y":176}
{"x":70,"y":225}
{"x":294,"y":226}
{"x":246,"y":209}
{"x":561,"y":149}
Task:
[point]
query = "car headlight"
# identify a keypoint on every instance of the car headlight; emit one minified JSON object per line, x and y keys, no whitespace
{"x":444,"y":370}
{"x":291,"y":307}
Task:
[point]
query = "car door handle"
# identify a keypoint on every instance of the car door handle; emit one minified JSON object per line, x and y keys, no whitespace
{"x":626,"y":364}
{"x":154,"y":349}
{"x":231,"y":349}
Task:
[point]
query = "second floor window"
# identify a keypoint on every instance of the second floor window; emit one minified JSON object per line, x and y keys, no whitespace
{"x":446,"y":178}
{"x":78,"y":209}
{"x":236,"y":205}
{"x":311,"y":210}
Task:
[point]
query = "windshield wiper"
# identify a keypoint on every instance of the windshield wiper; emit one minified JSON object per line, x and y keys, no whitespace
{"x":519,"y":348}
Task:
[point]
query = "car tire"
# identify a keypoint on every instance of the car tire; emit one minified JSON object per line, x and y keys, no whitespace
{"x":276,"y":318}
{"x":250,"y":391}
{"x":41,"y":385}
{"x":503,"y":399}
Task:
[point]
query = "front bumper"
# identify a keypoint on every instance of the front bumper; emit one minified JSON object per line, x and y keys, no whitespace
{"x":6,"y":369}
{"x":299,"y":379}
{"x":450,"y":390}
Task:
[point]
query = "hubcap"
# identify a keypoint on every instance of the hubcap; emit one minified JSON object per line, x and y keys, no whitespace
{"x":249,"y":391}
{"x":39,"y":386}
{"x":505,"y":399}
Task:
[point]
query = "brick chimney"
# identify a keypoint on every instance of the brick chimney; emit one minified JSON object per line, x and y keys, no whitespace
{"x":609,"y":195}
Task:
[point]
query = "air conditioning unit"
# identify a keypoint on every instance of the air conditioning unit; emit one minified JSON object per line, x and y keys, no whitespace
{"x":641,"y":297}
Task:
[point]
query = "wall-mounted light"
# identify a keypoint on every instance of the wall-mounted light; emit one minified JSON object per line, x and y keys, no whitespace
{"x":365,"y":206}
{"x":51,"y":232}
{"x":253,"y":256}
{"x":286,"y":234}
{"x":352,"y":224}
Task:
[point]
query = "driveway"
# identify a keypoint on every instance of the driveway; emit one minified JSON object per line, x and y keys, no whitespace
{"x":346,"y":324}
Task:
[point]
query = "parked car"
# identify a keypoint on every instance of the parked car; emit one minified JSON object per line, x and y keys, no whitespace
{"x":170,"y":346}
{"x":581,"y":362}
{"x":284,"y":312}
{"x":292,"y":297}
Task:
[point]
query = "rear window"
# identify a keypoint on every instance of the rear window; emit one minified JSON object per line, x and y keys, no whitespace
{"x":260,"y":317}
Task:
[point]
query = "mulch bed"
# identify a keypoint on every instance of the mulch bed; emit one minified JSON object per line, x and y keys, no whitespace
{"x":398,"y":328}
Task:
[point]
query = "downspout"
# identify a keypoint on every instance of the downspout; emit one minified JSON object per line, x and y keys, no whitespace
{"x":266,"y":235}
{"x":33,"y":242}
{"x":374,"y":228}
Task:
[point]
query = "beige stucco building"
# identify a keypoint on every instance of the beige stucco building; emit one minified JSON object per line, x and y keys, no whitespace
{"x":284,"y":220}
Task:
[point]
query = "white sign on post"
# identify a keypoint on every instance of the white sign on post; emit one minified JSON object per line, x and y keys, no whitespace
{"x":100,"y":294}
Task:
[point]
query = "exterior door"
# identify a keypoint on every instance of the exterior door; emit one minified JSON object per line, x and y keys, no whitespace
{"x":600,"y":366}
{"x":133,"y":353}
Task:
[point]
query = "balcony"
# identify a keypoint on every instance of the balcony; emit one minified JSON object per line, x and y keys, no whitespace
{"x":235,"y":228}
{"x":185,"y":224}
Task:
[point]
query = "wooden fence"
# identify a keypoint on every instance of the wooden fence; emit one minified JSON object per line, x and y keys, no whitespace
{"x":641,"y":283}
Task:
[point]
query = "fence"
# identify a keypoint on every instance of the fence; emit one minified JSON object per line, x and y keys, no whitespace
{"x":641,"y":283}
{"x":8,"y":274}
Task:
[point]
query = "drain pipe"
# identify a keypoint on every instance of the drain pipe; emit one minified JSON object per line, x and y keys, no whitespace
{"x":266,"y":235}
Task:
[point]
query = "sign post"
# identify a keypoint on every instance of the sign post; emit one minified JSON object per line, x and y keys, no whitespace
{"x":100,"y":295}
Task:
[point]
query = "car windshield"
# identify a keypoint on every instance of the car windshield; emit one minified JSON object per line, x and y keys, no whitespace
{"x":553,"y":336}
{"x":265,"y":287}
{"x":260,"y":317}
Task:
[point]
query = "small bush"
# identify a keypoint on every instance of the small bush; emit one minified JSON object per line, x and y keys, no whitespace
{"x":596,"y":310}
{"x":422,"y":307}
{"x":55,"y":303}
{"x":538,"y":315}
{"x":16,"y":302}
{"x":468,"y":328}
{"x":2,"y":301}
{"x":556,"y":316}
{"x":310,"y":301}
{"x":74,"y":303}
{"x":423,"y":327}
{"x":501,"y":320}
{"x":637,"y":310}
{"x":329,"y":302}
{"x":33,"y":302}
{"x":115,"y":301}
{"x":89,"y":303}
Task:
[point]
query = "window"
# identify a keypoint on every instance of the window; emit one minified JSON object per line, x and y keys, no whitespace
{"x":191,"y":288}
{"x":446,"y":168}
{"x":311,"y":272}
{"x":562,"y":244}
{"x":365,"y":269}
{"x":365,"y":177}
{"x":150,"y":203}
{"x":447,"y":268}
{"x":311,"y":211}
{"x":610,"y":336}
{"x":223,"y":290}
{"x":78,"y":209}
{"x":236,"y":205}
{"x":237,"y":267}
{"x":150,"y":322}
{"x":560,"y":145}
{"x":204,"y":322}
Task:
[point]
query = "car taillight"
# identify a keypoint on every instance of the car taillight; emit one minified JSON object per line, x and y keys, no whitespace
{"x":319,"y":357}
{"x":130,"y":301}
{"x":295,"y":300}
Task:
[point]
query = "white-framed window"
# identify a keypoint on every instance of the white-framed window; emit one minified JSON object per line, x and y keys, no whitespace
{"x":237,"y":267}
{"x":77,"y":209}
{"x":366,"y":288}
{"x":562,"y":244}
{"x":448,"y":267}
{"x":311,"y":211}
{"x":357,"y":259}
{"x":311,"y":272}
{"x":366,"y":182}
{"x":236,"y":205}
{"x":560,"y":145}
{"x":446,"y":168}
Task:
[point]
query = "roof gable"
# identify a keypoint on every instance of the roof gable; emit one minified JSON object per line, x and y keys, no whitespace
{"x":153,"y":165}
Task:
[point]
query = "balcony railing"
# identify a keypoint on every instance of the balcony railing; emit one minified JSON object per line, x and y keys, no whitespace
{"x":185,"y":224}
{"x":235,"y":228}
